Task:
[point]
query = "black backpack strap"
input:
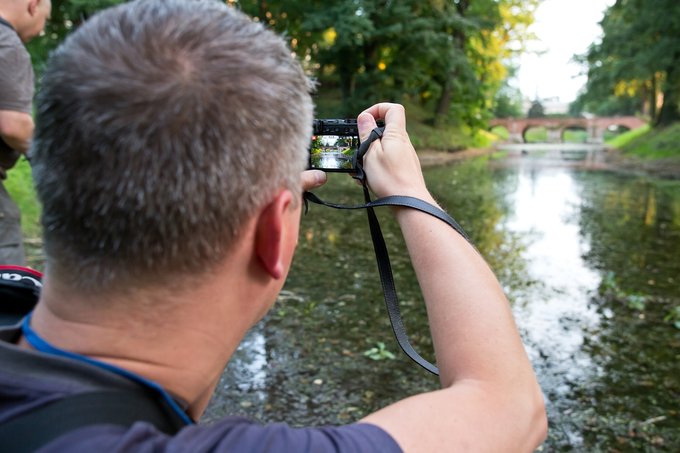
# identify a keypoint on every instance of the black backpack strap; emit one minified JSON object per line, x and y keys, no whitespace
{"x":30,"y":431}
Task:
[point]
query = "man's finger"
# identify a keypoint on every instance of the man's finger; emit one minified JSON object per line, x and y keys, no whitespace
{"x":365,"y":123}
{"x":393,"y":114}
{"x":311,"y":179}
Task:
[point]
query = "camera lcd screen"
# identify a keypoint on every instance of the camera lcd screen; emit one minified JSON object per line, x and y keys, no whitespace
{"x":333,"y":152}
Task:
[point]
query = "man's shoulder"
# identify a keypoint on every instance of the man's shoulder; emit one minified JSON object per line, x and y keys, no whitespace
{"x":228,"y":434}
{"x":35,"y":379}
{"x":11,"y":47}
{"x":16,"y":73}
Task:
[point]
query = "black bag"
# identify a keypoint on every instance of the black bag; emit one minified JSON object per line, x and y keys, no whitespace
{"x":19,"y":292}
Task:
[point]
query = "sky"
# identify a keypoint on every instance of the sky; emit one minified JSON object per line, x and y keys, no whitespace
{"x":563,"y":28}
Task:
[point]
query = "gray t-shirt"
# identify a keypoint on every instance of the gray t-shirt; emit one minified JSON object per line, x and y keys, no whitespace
{"x":16,"y":84}
{"x":30,"y":379}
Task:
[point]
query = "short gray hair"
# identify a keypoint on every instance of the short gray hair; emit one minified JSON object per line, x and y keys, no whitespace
{"x":162,"y":126}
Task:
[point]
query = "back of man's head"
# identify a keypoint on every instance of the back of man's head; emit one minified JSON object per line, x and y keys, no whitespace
{"x":28,"y":17}
{"x":162,"y":126}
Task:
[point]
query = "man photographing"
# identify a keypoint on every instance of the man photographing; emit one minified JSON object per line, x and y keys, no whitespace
{"x":20,"y":21}
{"x":170,"y":140}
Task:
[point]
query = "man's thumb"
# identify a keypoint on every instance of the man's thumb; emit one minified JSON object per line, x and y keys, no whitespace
{"x":366,"y":123}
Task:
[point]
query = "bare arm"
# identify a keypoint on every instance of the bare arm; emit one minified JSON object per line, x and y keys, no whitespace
{"x":16,"y":129}
{"x":490,"y":400}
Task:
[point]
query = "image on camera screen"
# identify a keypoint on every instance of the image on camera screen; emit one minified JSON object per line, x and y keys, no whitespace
{"x":333,"y":152}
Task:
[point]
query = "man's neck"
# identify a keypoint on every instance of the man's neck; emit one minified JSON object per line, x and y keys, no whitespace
{"x":8,"y":18}
{"x":4,"y":23}
{"x":183,"y":344}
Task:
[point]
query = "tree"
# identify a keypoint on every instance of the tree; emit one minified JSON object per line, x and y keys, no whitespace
{"x":67,"y":15}
{"x":639,"y":56}
{"x":536,"y":110}
{"x":451,"y":56}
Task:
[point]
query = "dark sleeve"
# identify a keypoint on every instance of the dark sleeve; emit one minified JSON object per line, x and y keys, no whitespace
{"x":228,"y":435}
{"x":16,"y":77}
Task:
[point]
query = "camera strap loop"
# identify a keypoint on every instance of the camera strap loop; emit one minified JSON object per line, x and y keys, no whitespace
{"x":380,"y":248}
{"x":383,"y":259}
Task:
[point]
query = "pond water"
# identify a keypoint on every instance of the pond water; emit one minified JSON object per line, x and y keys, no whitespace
{"x":589,"y":261}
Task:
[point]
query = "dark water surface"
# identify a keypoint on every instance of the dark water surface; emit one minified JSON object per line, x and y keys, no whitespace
{"x":589,"y":260}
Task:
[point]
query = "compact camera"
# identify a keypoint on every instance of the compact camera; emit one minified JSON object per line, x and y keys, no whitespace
{"x":334,"y":145}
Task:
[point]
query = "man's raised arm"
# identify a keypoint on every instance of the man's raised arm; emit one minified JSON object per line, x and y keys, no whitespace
{"x":490,"y":399}
{"x":16,"y":129}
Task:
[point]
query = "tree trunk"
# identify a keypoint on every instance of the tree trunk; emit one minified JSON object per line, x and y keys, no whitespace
{"x":444,"y":102}
{"x":347,"y":72}
{"x":446,"y":97}
{"x":670,"y":112}
{"x":652,"y":99}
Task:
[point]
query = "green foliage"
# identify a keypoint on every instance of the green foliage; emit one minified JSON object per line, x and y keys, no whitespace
{"x":507,"y":103}
{"x":444,"y":137}
{"x":19,"y":184}
{"x":449,"y":55}
{"x":379,"y":352}
{"x":639,"y":56}
{"x":67,"y":15}
{"x":501,"y":132}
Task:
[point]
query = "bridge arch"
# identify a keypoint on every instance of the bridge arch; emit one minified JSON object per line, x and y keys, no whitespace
{"x":574,"y":132}
{"x":539,"y":133}
{"x":595,"y":127}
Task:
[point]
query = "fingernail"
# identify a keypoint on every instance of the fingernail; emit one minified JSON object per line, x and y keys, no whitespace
{"x":319,"y":177}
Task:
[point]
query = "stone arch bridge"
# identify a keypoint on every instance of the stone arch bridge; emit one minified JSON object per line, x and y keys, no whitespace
{"x":596,"y":127}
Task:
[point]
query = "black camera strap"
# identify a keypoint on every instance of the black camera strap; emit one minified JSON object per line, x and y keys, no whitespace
{"x":380,"y":248}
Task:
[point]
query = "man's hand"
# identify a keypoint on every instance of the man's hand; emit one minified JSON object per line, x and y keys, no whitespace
{"x":311,"y":179}
{"x":391,"y":164}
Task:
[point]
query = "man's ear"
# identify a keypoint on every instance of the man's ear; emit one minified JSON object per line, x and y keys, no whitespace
{"x":269,"y":234}
{"x":33,"y":6}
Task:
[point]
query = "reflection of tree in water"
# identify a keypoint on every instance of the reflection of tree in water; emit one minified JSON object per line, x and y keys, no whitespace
{"x":633,"y":227}
{"x":477,"y":198}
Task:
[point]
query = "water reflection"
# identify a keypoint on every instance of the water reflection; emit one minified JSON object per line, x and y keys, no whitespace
{"x":577,"y":253}
{"x":554,"y":314}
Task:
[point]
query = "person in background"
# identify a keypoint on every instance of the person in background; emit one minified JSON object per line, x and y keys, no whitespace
{"x":20,"y":21}
{"x":169,"y":156}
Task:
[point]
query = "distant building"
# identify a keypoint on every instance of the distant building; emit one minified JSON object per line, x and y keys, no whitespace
{"x":551,"y":106}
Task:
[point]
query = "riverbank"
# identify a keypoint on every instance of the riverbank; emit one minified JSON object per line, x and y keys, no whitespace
{"x":649,"y":152}
{"x":432,"y":158}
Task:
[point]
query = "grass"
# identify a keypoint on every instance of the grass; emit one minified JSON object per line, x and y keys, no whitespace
{"x":19,"y":184}
{"x":623,"y":139}
{"x":654,"y":144}
{"x":575,"y":136}
{"x":536,"y":135}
